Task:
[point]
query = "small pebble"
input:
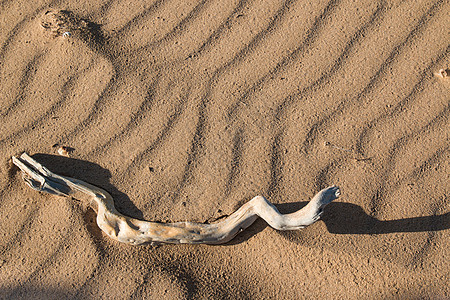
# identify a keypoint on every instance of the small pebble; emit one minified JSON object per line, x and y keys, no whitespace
{"x":443,"y":73}
{"x":65,"y":151}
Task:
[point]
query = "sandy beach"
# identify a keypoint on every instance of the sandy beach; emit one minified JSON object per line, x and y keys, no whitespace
{"x":186,"y":110}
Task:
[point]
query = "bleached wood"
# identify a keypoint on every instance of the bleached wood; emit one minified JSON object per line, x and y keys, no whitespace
{"x":133,"y":231}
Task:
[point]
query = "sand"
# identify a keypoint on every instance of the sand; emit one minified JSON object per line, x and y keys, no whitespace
{"x":184,"y":110}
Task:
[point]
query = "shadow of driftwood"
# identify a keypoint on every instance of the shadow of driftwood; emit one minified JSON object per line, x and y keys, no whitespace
{"x":258,"y":226}
{"x":348,"y":218}
{"x":90,"y":173}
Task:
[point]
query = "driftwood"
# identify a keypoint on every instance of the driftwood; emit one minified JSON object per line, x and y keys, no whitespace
{"x":134,"y":231}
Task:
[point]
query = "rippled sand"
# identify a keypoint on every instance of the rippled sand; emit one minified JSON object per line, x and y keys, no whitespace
{"x":184,"y":110}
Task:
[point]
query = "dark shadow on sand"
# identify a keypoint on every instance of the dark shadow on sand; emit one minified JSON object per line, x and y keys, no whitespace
{"x":37,"y":293}
{"x":91,"y":173}
{"x":348,"y":218}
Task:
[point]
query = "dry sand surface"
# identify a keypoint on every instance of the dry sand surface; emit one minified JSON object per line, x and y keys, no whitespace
{"x":185,"y":110}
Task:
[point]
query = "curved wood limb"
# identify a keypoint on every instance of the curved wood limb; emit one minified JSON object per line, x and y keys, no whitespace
{"x":133,"y":231}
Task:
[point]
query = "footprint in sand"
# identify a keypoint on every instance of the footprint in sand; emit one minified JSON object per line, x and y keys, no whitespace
{"x":64,"y":23}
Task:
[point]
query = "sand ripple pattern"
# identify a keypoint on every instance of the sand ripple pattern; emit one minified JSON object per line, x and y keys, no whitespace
{"x":184,"y":110}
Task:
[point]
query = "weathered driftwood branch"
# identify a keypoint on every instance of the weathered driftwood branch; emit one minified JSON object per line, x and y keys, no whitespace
{"x":133,"y":231}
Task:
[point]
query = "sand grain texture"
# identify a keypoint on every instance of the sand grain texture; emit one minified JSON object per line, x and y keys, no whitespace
{"x":184,"y":110}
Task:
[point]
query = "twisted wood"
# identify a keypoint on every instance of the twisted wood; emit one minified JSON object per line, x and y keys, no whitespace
{"x":133,"y":231}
